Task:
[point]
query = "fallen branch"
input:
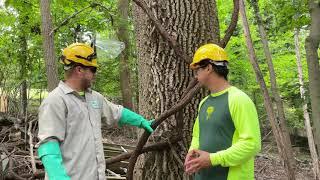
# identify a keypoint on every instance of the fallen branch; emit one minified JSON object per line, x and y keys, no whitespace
{"x":7,"y":155}
{"x":10,"y":170}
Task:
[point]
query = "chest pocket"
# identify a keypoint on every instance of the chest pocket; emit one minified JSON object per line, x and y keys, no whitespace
{"x":95,"y":108}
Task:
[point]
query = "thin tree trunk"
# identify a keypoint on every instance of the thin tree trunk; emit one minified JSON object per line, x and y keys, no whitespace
{"x":278,"y":134}
{"x":163,"y":76}
{"x":23,"y":74}
{"x":273,"y":80}
{"x":123,"y":35}
{"x":311,"y":46}
{"x":306,"y":116}
{"x":48,"y":45}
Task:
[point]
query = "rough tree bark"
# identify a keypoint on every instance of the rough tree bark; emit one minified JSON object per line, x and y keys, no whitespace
{"x":273,"y":80}
{"x":278,"y":134}
{"x":306,"y":116}
{"x":311,"y":46}
{"x":164,"y":75}
{"x":48,"y":45}
{"x":126,"y":90}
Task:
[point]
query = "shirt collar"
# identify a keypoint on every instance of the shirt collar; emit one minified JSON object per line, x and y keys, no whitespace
{"x":221,"y":92}
{"x":67,"y":89}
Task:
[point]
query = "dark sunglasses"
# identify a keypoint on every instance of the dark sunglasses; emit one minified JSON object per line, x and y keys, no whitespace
{"x":201,"y":67}
{"x":92,"y":69}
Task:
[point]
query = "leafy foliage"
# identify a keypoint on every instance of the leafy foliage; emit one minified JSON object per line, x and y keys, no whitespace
{"x":21,"y":19}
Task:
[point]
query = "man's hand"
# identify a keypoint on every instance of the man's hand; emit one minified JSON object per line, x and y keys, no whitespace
{"x":190,"y":156}
{"x":131,"y":118}
{"x":200,"y":161}
{"x":147,"y":125}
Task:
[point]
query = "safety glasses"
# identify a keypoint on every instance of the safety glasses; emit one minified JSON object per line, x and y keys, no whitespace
{"x":92,"y":69}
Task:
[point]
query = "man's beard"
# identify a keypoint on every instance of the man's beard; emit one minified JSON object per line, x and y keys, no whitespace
{"x":86,"y":83}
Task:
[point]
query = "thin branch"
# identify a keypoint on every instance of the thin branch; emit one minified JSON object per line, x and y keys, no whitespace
{"x":33,"y":164}
{"x":65,"y":21}
{"x":153,"y":147}
{"x":233,"y":24}
{"x":163,"y":32}
{"x":11,"y":163}
{"x":8,"y":155}
{"x":144,"y":138}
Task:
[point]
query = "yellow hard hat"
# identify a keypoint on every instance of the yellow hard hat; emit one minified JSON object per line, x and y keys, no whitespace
{"x":79,"y":53}
{"x":211,"y":52}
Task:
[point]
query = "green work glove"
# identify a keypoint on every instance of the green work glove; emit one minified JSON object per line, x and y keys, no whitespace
{"x":51,"y":158}
{"x":134,"y":119}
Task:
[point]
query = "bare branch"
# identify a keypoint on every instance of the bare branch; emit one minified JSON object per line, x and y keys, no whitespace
{"x":33,"y":164}
{"x":65,"y":21}
{"x":232,"y":26}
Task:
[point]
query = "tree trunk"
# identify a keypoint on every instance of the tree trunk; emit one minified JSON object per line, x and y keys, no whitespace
{"x":278,"y":134}
{"x":306,"y":116}
{"x":273,"y":80}
{"x":312,"y":45}
{"x":48,"y":45}
{"x":23,"y":74}
{"x":123,"y":35}
{"x":163,"y":76}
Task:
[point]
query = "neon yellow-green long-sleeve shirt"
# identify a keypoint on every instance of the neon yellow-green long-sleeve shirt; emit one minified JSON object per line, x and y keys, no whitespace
{"x":227,"y":127}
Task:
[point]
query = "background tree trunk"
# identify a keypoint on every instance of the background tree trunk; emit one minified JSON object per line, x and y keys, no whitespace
{"x":163,"y":76}
{"x":273,"y":80}
{"x":23,"y":75}
{"x":48,"y":45}
{"x":307,"y":123}
{"x":123,"y":35}
{"x":312,"y":45}
{"x":278,"y":134}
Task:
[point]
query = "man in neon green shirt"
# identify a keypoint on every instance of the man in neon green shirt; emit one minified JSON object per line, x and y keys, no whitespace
{"x":226,"y":133}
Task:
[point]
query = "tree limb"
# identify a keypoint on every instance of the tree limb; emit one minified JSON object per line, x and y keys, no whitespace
{"x":65,"y":21}
{"x":232,"y":26}
{"x":152,"y":147}
{"x":163,"y":32}
{"x":144,"y":138}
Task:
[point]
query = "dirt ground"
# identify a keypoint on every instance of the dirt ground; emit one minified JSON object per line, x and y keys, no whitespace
{"x":272,"y":168}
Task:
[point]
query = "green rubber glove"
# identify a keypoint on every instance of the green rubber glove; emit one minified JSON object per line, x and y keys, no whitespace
{"x":51,"y":158}
{"x":134,"y":119}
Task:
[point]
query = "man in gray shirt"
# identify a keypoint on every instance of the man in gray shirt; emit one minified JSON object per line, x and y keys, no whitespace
{"x":70,"y":120}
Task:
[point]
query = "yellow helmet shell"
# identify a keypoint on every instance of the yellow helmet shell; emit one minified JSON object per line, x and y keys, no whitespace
{"x":212,"y":52}
{"x":79,"y":53}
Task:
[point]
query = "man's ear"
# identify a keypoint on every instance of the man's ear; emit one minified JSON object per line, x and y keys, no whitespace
{"x":210,"y":68}
{"x":79,"y":69}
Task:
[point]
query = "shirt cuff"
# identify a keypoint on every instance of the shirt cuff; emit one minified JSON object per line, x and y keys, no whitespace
{"x":191,"y":148}
{"x":215,"y":159}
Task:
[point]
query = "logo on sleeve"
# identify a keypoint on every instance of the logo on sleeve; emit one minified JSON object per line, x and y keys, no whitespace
{"x":210,"y":110}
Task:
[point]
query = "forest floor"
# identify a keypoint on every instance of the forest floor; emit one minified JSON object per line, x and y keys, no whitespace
{"x":267,"y":164}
